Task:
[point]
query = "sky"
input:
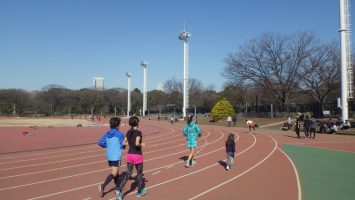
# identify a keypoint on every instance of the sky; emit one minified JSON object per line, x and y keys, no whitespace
{"x":68,"y":42}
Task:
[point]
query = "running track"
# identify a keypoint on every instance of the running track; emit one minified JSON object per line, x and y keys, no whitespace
{"x":65,"y":163}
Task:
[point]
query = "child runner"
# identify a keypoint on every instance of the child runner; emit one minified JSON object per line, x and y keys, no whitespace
{"x":230,"y":149}
{"x":134,"y":158}
{"x":251,"y":125}
{"x":113,"y":142}
{"x":191,"y":131}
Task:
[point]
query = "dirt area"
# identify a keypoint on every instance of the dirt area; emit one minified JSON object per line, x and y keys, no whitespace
{"x":43,"y":122}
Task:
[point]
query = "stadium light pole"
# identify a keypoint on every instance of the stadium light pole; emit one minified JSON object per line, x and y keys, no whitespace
{"x":128,"y":93}
{"x":346,"y":68}
{"x":145,"y":80}
{"x":185,"y":36}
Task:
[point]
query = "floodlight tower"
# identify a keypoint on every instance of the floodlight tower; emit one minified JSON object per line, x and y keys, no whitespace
{"x":346,"y":66}
{"x":129,"y":93}
{"x":185,"y":36}
{"x":144,"y":65}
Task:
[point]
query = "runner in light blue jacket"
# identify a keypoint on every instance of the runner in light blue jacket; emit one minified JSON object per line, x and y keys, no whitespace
{"x":191,"y":131}
{"x":113,"y":142}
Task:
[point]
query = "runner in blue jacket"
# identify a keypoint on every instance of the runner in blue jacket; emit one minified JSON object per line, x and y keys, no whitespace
{"x":191,"y":131}
{"x":113,"y":142}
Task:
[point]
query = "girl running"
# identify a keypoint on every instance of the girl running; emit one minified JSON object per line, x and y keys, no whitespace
{"x":134,"y":158}
{"x":191,"y":131}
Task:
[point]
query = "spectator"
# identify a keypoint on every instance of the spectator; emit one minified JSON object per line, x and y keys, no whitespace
{"x":334,"y":129}
{"x":229,"y":120}
{"x":234,"y":119}
{"x":306,"y":126}
{"x":289,"y":123}
{"x":346,"y":125}
{"x":312,"y":128}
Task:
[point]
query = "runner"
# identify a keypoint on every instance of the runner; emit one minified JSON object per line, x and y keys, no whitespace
{"x":134,"y":158}
{"x":191,"y":131}
{"x":113,"y":142}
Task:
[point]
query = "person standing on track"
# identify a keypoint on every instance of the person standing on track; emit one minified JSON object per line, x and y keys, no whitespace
{"x":230,"y":150}
{"x":191,"y":131}
{"x":134,"y":158}
{"x":113,"y":142}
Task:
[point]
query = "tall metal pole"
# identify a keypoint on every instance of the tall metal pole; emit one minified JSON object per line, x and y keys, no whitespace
{"x":129,"y":93}
{"x":344,"y":88}
{"x":145,"y":80}
{"x":185,"y":36}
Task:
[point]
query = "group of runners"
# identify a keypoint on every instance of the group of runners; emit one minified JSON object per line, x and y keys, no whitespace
{"x":114,"y":141}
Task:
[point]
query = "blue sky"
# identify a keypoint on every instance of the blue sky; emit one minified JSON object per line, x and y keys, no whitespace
{"x":68,"y":42}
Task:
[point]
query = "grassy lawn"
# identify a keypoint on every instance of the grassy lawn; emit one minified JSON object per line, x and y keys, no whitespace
{"x":324,"y":174}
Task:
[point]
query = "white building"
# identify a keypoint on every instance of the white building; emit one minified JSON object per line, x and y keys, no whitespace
{"x":98,"y":83}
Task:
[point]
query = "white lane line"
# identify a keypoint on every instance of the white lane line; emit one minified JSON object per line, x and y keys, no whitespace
{"x":51,"y":152}
{"x":68,"y":150}
{"x":87,"y":198}
{"x":66,"y":177}
{"x":171,"y":164}
{"x":49,"y":157}
{"x":47,"y":163}
{"x":61,"y":161}
{"x":201,"y":170}
{"x":296,"y":173}
{"x":157,"y":172}
{"x":239,"y":175}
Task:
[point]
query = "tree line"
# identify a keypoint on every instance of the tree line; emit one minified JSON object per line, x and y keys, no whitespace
{"x":286,"y":70}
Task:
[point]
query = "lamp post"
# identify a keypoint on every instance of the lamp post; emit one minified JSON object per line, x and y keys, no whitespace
{"x":129,"y":93}
{"x":185,"y":36}
{"x":144,"y":65}
{"x":346,"y":67}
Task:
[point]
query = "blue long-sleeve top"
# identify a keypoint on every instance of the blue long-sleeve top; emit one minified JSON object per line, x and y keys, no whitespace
{"x":191,"y":131}
{"x":113,"y":142}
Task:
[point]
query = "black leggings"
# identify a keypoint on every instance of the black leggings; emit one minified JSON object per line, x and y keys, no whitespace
{"x":128,"y":174}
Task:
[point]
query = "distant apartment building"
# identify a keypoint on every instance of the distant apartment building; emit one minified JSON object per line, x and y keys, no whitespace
{"x":98,"y":83}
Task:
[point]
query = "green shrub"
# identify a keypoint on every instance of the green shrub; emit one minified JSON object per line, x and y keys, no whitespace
{"x":222,"y":110}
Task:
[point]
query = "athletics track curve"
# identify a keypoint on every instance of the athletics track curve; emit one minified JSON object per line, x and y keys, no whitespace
{"x":73,"y":171}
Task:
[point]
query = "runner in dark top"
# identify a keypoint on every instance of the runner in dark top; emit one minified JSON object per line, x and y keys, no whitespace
{"x":134,"y":157}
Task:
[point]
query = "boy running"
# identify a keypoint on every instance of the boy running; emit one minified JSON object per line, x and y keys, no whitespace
{"x":113,"y":142}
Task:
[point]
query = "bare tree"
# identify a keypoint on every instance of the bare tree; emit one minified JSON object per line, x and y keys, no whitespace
{"x":324,"y":76}
{"x":273,"y":62}
{"x":172,"y":85}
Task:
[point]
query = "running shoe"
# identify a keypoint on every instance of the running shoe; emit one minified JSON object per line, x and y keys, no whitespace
{"x":101,"y":190}
{"x":187,"y":163}
{"x":142,"y":193}
{"x":119,"y":195}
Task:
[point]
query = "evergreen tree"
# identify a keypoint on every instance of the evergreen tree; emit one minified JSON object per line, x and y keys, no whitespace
{"x":222,"y":110}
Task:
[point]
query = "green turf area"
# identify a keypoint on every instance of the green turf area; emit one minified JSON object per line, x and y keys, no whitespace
{"x":324,"y":174}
